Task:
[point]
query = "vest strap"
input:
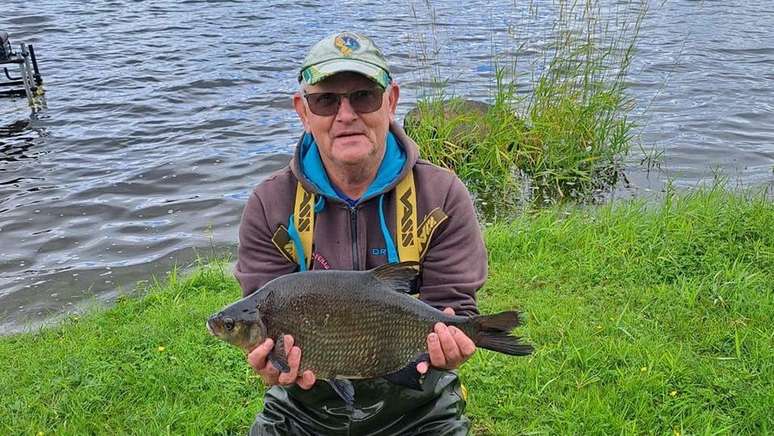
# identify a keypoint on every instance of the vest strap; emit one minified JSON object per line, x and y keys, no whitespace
{"x":303,"y":212}
{"x":406,"y":219}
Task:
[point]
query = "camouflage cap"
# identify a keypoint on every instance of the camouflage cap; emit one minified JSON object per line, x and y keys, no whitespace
{"x":345,"y":51}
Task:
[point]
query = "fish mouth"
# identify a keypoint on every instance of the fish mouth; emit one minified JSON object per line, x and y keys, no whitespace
{"x":209,"y":327}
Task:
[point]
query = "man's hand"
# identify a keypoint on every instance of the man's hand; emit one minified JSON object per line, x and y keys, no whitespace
{"x":259,"y":360}
{"x":448,"y":347}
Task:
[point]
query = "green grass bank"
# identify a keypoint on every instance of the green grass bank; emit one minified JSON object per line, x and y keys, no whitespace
{"x":652,"y":320}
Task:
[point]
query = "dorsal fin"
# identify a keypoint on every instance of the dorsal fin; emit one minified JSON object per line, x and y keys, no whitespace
{"x":398,"y":276}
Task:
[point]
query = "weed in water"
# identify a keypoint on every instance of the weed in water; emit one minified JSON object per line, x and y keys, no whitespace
{"x":565,"y":139}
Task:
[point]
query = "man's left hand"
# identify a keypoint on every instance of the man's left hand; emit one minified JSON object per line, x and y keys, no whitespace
{"x":447,"y":346}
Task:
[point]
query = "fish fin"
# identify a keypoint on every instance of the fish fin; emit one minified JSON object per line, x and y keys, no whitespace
{"x":493,"y":333}
{"x":408,"y":376}
{"x":279,"y":361}
{"x":345,"y":389}
{"x":499,"y":322}
{"x":278,"y":356}
{"x":401,"y":277}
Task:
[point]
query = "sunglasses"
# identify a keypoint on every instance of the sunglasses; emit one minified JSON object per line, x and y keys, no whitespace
{"x":363,"y":101}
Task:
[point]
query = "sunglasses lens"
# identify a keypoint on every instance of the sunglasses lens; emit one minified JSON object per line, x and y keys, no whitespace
{"x":323,"y":103}
{"x":365,"y":101}
{"x":327,"y":103}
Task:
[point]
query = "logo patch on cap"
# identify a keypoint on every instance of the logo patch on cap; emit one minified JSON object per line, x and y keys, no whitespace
{"x":347,"y":43}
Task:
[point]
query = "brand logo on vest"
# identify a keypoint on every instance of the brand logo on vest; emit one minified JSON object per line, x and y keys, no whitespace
{"x":290,"y":249}
{"x":406,"y":223}
{"x":304,"y":220}
{"x":322,"y":261}
{"x":423,"y":233}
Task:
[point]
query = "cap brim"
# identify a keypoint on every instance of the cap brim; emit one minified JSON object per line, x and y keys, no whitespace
{"x":316,"y":73}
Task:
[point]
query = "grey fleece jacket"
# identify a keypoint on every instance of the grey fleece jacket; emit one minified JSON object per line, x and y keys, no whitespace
{"x":454,"y":265}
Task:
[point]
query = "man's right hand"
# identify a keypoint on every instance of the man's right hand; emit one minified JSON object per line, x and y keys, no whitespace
{"x":259,"y":360}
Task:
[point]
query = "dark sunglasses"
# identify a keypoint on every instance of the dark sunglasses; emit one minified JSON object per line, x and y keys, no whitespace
{"x":363,"y":101}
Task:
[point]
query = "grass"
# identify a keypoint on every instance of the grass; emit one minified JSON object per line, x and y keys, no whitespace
{"x":144,"y":366}
{"x":646,"y":320}
{"x":565,"y":138}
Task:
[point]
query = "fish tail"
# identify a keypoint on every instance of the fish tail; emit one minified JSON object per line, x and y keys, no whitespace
{"x":493,"y":333}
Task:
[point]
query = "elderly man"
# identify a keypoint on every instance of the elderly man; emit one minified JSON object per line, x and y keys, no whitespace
{"x":356,"y":196}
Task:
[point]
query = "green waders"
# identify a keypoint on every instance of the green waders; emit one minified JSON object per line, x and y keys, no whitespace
{"x":381,"y":408}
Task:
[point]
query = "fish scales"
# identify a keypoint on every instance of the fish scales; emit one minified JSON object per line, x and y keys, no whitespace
{"x":348,"y":330}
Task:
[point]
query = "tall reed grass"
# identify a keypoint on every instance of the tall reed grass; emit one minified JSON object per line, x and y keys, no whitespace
{"x":562,"y":135}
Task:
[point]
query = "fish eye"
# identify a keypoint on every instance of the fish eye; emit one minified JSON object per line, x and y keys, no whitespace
{"x":228,"y":323}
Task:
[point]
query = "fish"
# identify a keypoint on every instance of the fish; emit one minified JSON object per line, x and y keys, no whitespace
{"x":354,"y":324}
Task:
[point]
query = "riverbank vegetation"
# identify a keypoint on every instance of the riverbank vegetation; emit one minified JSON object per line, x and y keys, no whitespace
{"x":646,"y":319}
{"x":563,"y":135}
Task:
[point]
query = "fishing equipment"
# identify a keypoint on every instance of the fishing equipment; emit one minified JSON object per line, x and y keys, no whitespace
{"x":29,"y":83}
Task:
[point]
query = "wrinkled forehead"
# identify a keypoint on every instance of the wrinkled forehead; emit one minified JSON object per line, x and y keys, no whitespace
{"x":342,"y":82}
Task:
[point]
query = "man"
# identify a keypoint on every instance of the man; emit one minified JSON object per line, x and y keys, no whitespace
{"x":355,"y":196}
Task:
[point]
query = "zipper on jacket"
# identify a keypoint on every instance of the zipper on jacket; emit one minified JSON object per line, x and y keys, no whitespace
{"x":353,"y":234}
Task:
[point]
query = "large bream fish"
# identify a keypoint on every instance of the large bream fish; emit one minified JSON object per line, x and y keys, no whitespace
{"x":353,"y":324}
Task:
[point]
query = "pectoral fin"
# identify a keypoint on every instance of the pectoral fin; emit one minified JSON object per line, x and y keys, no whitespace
{"x":278,"y":356}
{"x":345,"y":389}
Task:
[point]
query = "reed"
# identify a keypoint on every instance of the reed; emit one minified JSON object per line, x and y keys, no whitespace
{"x":562,"y":138}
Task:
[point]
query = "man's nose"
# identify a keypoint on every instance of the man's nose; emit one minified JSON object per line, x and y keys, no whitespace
{"x":346,"y":112}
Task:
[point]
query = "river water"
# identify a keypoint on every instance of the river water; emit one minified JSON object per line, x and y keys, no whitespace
{"x":163,"y":115}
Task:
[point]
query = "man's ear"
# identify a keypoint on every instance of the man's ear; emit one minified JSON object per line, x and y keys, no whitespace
{"x":392,"y":99}
{"x":298,"y":104}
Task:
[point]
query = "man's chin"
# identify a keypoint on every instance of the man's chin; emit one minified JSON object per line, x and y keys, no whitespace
{"x":353,"y":154}
{"x":353,"y":161}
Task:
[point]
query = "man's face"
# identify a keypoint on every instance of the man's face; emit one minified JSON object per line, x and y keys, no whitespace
{"x":348,"y":138}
